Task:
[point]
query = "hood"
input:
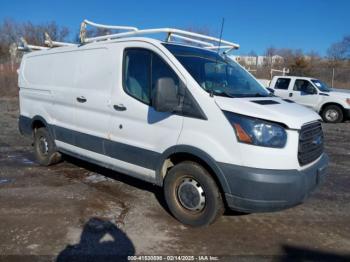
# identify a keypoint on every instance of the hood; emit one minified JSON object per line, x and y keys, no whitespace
{"x":341,"y":90}
{"x":339,"y":93}
{"x":269,"y":108}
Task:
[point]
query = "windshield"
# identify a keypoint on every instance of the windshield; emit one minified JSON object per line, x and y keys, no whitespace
{"x":321,"y":86}
{"x":216,"y":74}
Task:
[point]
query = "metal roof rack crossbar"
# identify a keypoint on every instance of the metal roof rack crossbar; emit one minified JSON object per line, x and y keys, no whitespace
{"x":49,"y":42}
{"x":26,"y":47}
{"x":208,"y":42}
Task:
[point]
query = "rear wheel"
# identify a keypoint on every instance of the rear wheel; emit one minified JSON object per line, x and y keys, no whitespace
{"x":44,"y":148}
{"x":332,"y":114}
{"x":192,"y":195}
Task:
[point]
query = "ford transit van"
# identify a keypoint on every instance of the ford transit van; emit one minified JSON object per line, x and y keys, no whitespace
{"x":179,"y":115}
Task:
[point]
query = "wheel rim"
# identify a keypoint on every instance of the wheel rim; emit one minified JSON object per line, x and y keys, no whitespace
{"x":191,"y":195}
{"x":43,"y":146}
{"x":332,"y":115}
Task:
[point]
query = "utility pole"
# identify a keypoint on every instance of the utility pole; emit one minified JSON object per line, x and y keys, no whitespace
{"x":284,"y":71}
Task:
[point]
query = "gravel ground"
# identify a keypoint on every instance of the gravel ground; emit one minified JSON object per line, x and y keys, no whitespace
{"x":76,"y":208}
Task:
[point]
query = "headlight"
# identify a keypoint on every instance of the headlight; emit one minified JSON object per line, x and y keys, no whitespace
{"x":256,"y":131}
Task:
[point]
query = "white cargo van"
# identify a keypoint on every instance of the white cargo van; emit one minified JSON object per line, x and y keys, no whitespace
{"x":180,"y":116}
{"x":332,"y":105}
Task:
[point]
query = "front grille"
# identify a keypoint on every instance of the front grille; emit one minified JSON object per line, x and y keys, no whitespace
{"x":310,"y":143}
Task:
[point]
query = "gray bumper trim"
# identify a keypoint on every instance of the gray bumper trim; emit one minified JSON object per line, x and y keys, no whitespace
{"x":263,"y":190}
{"x":347,"y":113}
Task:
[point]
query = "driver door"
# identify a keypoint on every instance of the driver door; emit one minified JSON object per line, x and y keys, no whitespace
{"x":139,"y":132}
{"x":304,"y":93}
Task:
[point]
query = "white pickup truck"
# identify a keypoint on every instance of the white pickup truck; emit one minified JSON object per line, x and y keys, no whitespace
{"x":332,"y":105}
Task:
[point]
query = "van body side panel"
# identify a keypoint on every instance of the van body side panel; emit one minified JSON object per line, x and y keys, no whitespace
{"x":35,"y":94}
{"x":108,"y":162}
{"x":93,"y":86}
{"x":46,"y":84}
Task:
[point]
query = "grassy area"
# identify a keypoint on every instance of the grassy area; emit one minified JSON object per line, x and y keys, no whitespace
{"x":8,"y":81}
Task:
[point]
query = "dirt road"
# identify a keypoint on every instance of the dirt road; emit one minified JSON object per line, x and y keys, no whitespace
{"x":78,"y":208}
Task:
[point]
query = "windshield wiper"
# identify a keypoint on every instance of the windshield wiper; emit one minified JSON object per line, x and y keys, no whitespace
{"x":224,"y":93}
{"x":253,"y":95}
{"x":260,"y":95}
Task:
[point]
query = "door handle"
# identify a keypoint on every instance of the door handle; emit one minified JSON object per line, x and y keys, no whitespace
{"x":290,"y":94}
{"x":119,"y":107}
{"x":81,"y":99}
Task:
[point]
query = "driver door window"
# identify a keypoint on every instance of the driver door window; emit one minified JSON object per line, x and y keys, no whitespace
{"x":302,"y":93}
{"x":304,"y":86}
{"x":142,"y":69}
{"x":137,"y":69}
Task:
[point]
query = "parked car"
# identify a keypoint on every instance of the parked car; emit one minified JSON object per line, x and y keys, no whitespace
{"x":332,"y":105}
{"x":182,"y":117}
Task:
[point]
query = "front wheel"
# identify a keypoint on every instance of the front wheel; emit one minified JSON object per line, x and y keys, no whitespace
{"x":192,"y":195}
{"x":332,"y":114}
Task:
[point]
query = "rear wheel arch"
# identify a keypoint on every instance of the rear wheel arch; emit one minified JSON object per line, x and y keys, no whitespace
{"x":39,"y":122}
{"x":182,"y":153}
{"x":36,"y":124}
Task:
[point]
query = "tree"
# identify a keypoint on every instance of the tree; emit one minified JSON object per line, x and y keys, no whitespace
{"x":11,"y":31}
{"x":270,"y":51}
{"x":340,"y":50}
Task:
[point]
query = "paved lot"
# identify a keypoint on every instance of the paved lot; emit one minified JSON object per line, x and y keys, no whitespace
{"x":78,"y":208}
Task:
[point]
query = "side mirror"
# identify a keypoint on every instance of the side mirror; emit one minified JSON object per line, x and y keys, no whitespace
{"x":272,"y":91}
{"x":164,"y":96}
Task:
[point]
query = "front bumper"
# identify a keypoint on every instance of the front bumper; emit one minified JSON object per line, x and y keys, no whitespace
{"x":264,"y":190}
{"x":347,"y":113}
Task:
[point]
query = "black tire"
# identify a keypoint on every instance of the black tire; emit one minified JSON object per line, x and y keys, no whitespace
{"x":332,"y":114}
{"x":44,"y":148}
{"x":193,"y":176}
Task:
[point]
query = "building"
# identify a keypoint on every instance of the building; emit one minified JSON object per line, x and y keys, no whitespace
{"x":258,"y":60}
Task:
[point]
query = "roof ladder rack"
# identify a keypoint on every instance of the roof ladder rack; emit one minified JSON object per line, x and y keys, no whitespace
{"x":86,"y":22}
{"x":207,"y":42}
{"x":29,"y":48}
{"x":50,"y":43}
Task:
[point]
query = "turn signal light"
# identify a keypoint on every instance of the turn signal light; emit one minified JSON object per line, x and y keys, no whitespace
{"x":242,"y":135}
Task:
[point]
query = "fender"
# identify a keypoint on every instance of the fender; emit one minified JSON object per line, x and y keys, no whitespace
{"x":26,"y":125}
{"x":205,"y":157}
{"x":329,"y":102}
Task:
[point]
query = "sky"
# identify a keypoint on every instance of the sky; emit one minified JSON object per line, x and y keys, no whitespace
{"x":312,"y":25}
